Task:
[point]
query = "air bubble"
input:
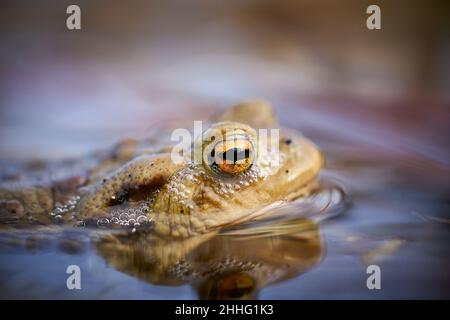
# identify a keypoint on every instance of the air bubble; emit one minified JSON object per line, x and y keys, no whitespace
{"x":123,"y":216}
{"x":102,"y":222}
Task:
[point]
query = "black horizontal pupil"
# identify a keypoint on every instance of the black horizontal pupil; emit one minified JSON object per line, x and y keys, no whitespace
{"x":235,"y":154}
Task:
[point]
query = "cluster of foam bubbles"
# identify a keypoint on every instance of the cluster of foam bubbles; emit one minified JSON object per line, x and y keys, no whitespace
{"x":182,"y":184}
{"x":135,"y":217}
{"x":227,"y":187}
{"x":61,"y":210}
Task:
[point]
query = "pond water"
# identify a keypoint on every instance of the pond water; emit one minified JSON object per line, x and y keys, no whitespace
{"x":384,"y":200}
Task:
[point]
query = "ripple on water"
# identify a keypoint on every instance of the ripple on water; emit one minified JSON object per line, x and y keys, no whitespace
{"x":328,"y":200}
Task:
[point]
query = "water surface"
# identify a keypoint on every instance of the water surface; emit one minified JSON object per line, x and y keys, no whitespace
{"x":383,"y":200}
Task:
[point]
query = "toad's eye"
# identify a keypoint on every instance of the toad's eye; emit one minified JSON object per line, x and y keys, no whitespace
{"x":232,"y":156}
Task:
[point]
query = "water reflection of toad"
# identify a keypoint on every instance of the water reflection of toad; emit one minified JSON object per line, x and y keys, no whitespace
{"x":218,"y":267}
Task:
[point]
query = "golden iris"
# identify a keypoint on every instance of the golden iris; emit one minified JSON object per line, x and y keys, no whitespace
{"x":232,"y":156}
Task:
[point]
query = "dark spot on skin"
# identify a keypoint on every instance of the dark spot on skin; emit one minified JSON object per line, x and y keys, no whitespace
{"x":288,"y":141}
{"x":138,"y":192}
{"x":119,"y":198}
{"x":130,"y":175}
{"x":287,"y":171}
{"x":181,"y":210}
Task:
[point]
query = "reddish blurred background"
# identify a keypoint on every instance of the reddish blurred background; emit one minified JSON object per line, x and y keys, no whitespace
{"x":377,"y":102}
{"x":135,"y":63}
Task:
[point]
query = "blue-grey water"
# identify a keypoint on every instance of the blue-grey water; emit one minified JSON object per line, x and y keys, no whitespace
{"x":395,"y":216}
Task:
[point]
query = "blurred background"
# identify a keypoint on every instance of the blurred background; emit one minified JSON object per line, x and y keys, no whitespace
{"x":377,"y":102}
{"x":135,"y":63}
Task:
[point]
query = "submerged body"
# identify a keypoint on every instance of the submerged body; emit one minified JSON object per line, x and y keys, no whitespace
{"x":133,"y":185}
